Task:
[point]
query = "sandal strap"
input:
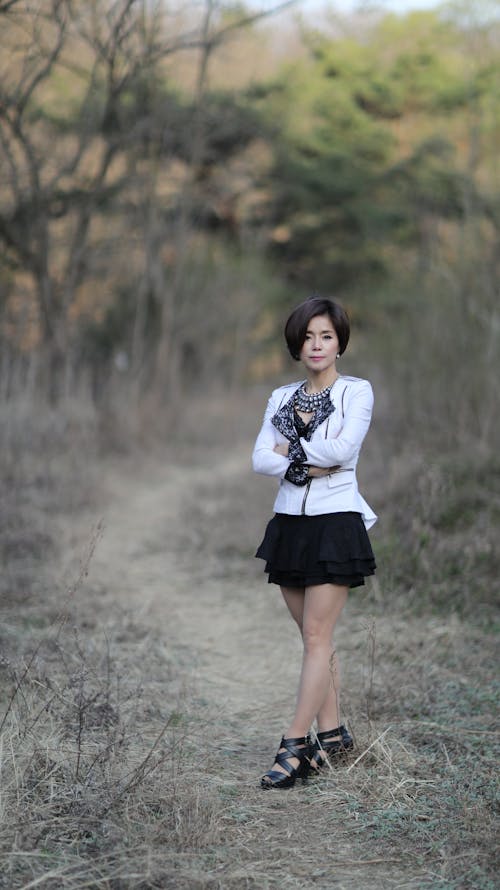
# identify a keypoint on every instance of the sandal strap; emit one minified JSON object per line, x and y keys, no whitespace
{"x":303,"y":740}
{"x":283,"y":760}
{"x":275,"y":775}
{"x":292,"y":749}
{"x":324,"y":736}
{"x":297,"y":747}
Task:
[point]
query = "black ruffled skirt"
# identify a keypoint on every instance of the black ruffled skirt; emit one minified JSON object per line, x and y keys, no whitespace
{"x":332,"y":548}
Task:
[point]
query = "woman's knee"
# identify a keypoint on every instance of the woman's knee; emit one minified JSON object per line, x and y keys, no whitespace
{"x":315,"y":637}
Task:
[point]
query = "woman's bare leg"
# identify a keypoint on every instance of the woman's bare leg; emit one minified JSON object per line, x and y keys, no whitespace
{"x":316,"y":611}
{"x":328,"y":714}
{"x":317,"y":695}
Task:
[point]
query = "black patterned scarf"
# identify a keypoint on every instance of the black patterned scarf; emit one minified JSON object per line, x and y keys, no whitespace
{"x":288,"y":423}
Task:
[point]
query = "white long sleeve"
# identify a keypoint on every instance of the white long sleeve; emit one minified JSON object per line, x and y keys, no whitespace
{"x":264,"y":459}
{"x":357,"y":415}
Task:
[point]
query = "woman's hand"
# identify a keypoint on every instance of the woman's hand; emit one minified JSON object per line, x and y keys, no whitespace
{"x":314,"y":472}
{"x":319,"y":472}
{"x":282,"y":448}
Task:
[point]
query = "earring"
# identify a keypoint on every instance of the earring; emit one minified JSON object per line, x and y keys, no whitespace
{"x":338,"y":354}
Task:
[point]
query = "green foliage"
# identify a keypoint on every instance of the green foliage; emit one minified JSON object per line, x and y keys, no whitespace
{"x":229,"y":126}
{"x":329,"y":157}
{"x":370,"y":141}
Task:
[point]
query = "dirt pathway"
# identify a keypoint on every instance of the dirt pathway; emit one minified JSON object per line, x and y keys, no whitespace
{"x":176,"y":554}
{"x":155,"y":557}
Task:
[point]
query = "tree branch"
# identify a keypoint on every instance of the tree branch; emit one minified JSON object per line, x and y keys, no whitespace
{"x":7,"y":5}
{"x":14,"y":175}
{"x":250,"y":19}
{"x":22,"y":100}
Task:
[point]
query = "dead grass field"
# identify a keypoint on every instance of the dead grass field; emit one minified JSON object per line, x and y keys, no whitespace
{"x":147,"y":677}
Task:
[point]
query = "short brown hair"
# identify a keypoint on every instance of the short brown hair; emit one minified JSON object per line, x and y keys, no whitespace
{"x":298,"y":322}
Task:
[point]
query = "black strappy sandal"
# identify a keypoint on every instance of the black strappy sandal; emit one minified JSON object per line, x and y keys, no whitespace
{"x":299,"y":748}
{"x":333,"y":744}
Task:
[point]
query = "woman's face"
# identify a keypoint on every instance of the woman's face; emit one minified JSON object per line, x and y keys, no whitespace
{"x":321,"y":345}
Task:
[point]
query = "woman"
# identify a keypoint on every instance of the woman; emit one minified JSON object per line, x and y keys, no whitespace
{"x":316,"y":546}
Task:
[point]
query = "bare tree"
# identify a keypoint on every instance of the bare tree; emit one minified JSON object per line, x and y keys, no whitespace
{"x":49,"y":176}
{"x":65,"y":170}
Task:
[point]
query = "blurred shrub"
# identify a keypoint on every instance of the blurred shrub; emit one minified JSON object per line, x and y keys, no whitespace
{"x":438,"y":546}
{"x":441,"y":504}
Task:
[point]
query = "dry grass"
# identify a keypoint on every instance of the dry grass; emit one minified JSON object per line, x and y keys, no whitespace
{"x":441,"y":518}
{"x":113,"y":776}
{"x":46,"y":475}
{"x":134,"y":730}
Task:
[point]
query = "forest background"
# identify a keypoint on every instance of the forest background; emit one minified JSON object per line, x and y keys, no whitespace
{"x":173,"y":180}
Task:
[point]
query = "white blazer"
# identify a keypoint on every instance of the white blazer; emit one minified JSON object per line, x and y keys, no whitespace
{"x":337,"y":440}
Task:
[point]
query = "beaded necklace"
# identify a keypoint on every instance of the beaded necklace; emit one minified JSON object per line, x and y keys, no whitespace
{"x":309,"y":402}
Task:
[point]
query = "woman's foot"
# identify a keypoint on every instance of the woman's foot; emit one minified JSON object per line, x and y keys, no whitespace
{"x":332,"y":744}
{"x":291,"y":763}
